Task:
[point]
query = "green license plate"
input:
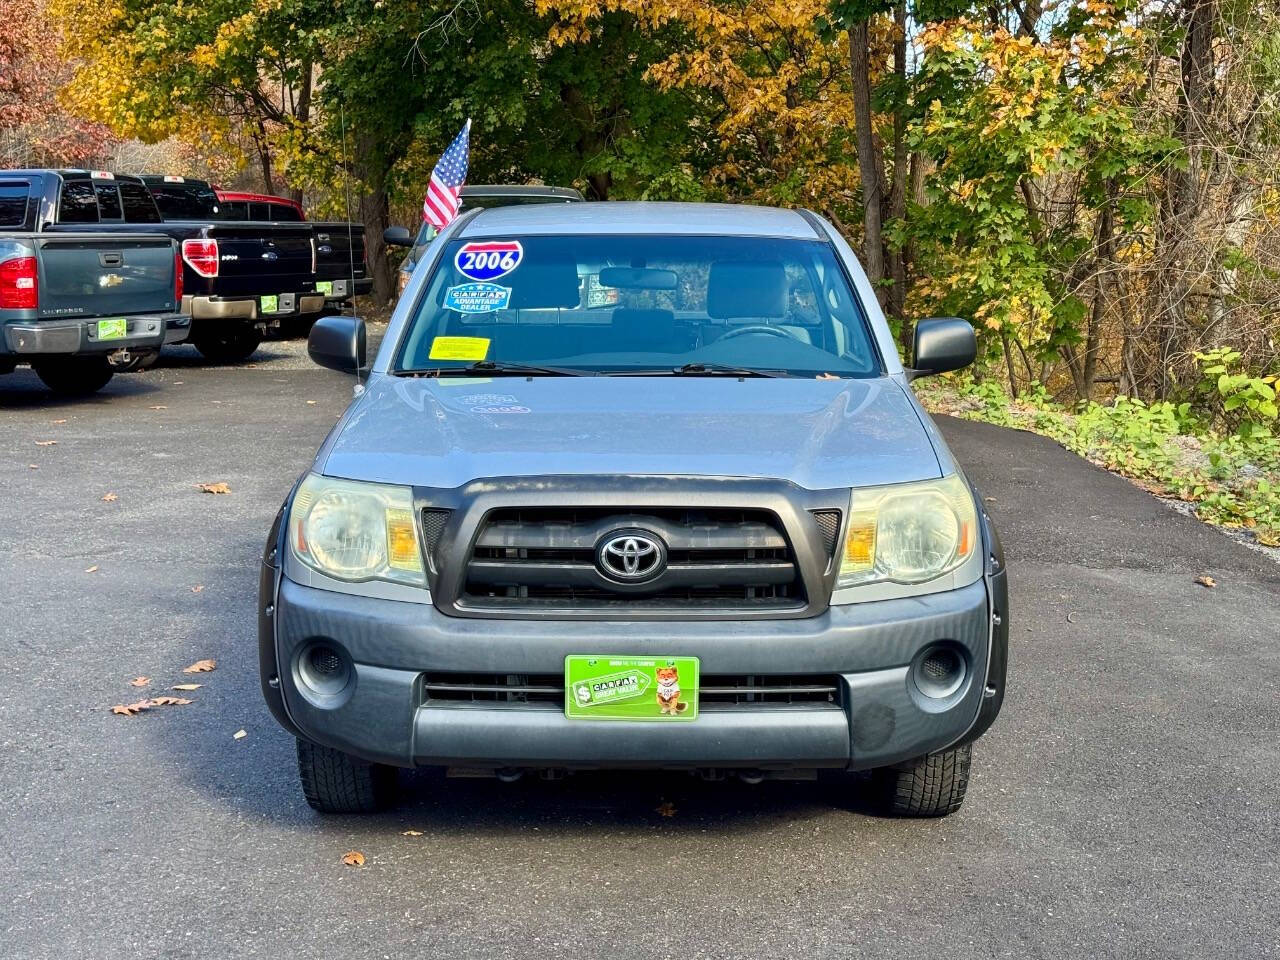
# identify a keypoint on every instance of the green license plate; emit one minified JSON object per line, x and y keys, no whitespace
{"x":113,"y":329}
{"x":325,"y":287}
{"x":269,"y":304}
{"x":630,"y":688}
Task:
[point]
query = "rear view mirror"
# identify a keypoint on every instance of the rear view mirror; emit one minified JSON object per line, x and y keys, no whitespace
{"x":638,"y":278}
{"x":338,"y":343}
{"x":942,"y":344}
{"x":397,"y":237}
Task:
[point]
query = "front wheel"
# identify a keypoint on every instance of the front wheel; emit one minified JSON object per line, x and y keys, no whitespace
{"x":228,"y":346}
{"x":74,"y":376}
{"x":335,"y":782}
{"x":929,"y":786}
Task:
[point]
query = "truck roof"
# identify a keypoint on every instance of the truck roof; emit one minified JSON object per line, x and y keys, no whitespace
{"x":690,"y":219}
{"x":520,"y":190}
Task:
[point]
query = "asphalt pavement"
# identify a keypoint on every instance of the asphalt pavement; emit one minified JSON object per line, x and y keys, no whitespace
{"x":1124,"y":805}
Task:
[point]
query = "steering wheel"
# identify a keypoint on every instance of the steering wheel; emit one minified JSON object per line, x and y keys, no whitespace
{"x":757,"y":328}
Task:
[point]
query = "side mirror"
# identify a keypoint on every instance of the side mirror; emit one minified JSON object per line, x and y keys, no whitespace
{"x":397,"y":237}
{"x":942,"y":344}
{"x":338,"y":343}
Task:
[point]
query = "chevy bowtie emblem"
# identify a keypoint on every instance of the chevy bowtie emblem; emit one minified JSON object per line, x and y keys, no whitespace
{"x":110,"y":280}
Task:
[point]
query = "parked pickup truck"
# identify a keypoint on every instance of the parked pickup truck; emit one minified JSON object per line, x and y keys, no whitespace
{"x":342,"y":268}
{"x":79,"y":305}
{"x":699,"y":524}
{"x":241,"y":276}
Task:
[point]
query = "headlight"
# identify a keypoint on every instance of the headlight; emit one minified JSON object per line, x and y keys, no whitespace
{"x":356,"y":531}
{"x":908,"y":533}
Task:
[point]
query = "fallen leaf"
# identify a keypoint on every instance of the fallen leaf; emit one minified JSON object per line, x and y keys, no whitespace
{"x":1207,"y":581}
{"x":46,"y":443}
{"x":311,"y":403}
{"x":667,"y":809}
{"x":167,"y":701}
{"x":59,"y":421}
{"x":197,"y":588}
{"x":186,"y":686}
{"x":989,"y":499}
{"x":178,"y":383}
{"x":139,"y":681}
{"x":109,"y":498}
{"x":200,"y":666}
{"x":213,"y":487}
{"x":93,"y":569}
{"x":126,"y":710}
{"x":159,"y":406}
{"x":353,"y":858}
{"x":239,"y":735}
{"x":411,"y":833}
{"x":33,"y":466}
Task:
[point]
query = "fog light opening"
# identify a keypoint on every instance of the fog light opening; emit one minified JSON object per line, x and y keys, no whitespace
{"x":324,"y":668}
{"x":939,"y":672}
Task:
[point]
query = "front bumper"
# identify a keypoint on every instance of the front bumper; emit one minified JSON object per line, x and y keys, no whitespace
{"x":384,"y":715}
{"x":66,"y":337}
{"x":249,"y":308}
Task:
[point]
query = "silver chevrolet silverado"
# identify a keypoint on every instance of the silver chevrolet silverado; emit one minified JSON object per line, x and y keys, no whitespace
{"x":636,"y":485}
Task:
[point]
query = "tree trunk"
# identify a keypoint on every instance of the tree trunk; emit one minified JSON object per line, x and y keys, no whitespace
{"x":302,"y":113}
{"x":870,"y":158}
{"x":898,"y":193}
{"x":372,"y":165}
{"x":1181,"y":204}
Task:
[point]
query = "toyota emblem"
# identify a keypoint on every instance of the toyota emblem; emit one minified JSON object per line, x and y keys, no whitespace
{"x":631,"y":556}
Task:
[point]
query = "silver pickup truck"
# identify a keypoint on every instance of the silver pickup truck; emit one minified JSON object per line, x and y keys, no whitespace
{"x":636,"y":485}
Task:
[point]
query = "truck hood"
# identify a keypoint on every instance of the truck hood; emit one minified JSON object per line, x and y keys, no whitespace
{"x":817,"y":434}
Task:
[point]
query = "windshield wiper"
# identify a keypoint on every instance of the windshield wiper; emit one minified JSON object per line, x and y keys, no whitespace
{"x":495,"y":368}
{"x":702,"y":370}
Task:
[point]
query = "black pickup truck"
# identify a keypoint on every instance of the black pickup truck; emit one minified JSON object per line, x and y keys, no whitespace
{"x":341,"y":268}
{"x":79,"y":305}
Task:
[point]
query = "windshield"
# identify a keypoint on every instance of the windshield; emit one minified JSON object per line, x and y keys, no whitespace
{"x":640,"y":304}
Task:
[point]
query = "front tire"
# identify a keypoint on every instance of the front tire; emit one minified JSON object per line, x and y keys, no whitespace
{"x":929,"y":786}
{"x":228,"y":346}
{"x":74,"y":376}
{"x":335,"y":782}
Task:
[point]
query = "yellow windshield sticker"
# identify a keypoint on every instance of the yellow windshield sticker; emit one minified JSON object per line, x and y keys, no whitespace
{"x":459,"y":348}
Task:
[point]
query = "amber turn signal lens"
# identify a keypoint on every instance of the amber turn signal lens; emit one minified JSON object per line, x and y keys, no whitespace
{"x":402,"y":543}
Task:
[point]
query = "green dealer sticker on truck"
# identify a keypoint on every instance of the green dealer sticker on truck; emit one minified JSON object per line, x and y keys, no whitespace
{"x":630,"y":688}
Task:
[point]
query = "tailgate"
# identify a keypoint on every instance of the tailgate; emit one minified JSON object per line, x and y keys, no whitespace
{"x":256,"y":258}
{"x":339,"y":251}
{"x":105,"y":275}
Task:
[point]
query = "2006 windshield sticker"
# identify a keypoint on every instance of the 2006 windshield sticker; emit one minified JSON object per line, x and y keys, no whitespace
{"x":477,"y":297}
{"x":488,"y":259}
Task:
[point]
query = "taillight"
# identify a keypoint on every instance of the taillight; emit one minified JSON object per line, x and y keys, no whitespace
{"x":177,"y":280}
{"x":18,"y":287}
{"x":201,"y":256}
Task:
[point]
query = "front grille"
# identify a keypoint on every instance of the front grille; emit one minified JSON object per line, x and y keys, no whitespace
{"x":829,"y":528}
{"x":715,"y":690}
{"x":433,"y":524}
{"x":546,"y":558}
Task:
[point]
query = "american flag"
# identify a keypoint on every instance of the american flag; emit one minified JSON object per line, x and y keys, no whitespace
{"x":441,"y":203}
